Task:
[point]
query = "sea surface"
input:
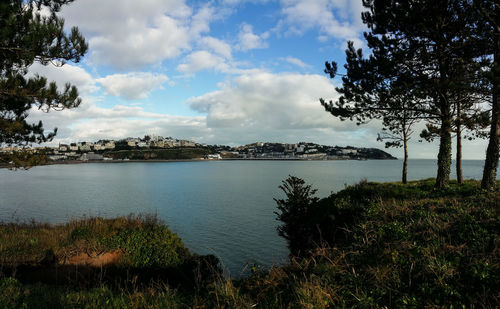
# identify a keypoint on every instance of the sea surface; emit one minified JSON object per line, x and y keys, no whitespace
{"x":224,"y":208}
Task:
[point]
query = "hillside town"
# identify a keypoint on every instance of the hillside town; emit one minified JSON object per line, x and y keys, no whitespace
{"x":149,"y":147}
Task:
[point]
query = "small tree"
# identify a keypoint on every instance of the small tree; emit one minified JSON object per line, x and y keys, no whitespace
{"x":397,"y":131}
{"x":294,"y":212}
{"x":366,"y":94}
{"x":27,"y":37}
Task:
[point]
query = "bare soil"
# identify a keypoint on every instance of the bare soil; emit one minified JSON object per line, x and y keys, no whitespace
{"x":98,"y":260}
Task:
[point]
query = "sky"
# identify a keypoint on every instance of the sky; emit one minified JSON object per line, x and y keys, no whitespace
{"x":229,"y":72}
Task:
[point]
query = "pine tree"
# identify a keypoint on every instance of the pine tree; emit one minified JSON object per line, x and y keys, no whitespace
{"x":366,"y":95}
{"x":416,"y":47}
{"x":26,"y":37}
{"x":488,"y":27}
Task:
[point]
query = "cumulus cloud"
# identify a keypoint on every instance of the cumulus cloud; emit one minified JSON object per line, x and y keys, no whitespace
{"x":156,"y":30}
{"x":89,"y":122}
{"x":202,"y":60}
{"x":218,"y":46}
{"x":132,"y":86}
{"x":177,"y":126}
{"x":67,"y":73}
{"x":340,"y":19}
{"x":273,"y":101}
{"x":249,"y":40}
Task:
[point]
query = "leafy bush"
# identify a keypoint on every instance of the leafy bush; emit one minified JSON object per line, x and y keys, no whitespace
{"x":152,"y":246}
{"x":11,"y":293}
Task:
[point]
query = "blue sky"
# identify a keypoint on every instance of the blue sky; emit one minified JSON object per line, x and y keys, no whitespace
{"x":217,"y":72}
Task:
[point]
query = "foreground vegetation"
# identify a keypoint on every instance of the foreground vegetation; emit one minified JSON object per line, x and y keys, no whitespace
{"x":370,"y":245}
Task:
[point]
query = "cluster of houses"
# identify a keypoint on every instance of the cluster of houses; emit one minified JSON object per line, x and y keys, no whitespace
{"x":158,"y":142}
{"x":90,"y":151}
{"x":296,"y":151}
{"x":94,"y":151}
{"x":84,"y":151}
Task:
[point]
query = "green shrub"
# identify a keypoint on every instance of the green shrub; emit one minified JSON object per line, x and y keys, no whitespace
{"x":11,"y":293}
{"x":152,"y":246}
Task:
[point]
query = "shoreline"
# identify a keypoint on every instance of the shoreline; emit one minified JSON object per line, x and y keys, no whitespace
{"x":206,"y":160}
{"x":71,"y":162}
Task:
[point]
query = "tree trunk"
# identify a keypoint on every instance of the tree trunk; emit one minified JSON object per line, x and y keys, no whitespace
{"x":405,"y":160}
{"x":491,"y":163}
{"x":444,"y":156}
{"x":460,"y":178}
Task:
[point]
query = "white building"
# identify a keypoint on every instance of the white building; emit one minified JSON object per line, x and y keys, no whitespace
{"x":63,"y":147}
{"x":349,"y":151}
{"x":84,"y":147}
{"x":213,"y":157}
{"x":110,"y":145}
{"x":185,"y":143}
{"x":98,"y":146}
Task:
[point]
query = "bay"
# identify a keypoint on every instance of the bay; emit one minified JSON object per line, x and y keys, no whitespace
{"x":224,"y":208}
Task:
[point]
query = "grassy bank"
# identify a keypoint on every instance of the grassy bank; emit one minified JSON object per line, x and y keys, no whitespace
{"x":370,"y":245}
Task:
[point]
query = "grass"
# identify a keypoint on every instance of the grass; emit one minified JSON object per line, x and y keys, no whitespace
{"x":372,"y":245}
{"x":398,"y":246}
{"x":144,"y":241}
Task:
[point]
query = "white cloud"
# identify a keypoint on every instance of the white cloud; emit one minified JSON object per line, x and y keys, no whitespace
{"x":236,"y":2}
{"x":178,"y":126}
{"x":200,"y":22}
{"x":249,"y":40}
{"x":90,"y":122}
{"x":296,"y":61}
{"x":265,"y":100}
{"x":67,"y":73}
{"x":131,"y":34}
{"x":202,"y":60}
{"x":218,"y":46}
{"x":340,"y":19}
{"x":134,"y":85}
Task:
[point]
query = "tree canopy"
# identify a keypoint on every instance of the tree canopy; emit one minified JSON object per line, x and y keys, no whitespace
{"x":28,"y":36}
{"x":427,"y":52}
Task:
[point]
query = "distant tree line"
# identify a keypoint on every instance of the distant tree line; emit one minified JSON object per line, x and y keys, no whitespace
{"x":432,"y":61}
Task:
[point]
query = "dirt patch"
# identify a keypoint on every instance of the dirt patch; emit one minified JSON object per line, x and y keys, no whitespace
{"x":104,"y":259}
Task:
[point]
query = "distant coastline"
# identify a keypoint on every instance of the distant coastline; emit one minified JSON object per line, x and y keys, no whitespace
{"x":159,"y":149}
{"x":71,"y":162}
{"x":204,"y":160}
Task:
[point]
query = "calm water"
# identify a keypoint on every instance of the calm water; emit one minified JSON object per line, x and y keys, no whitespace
{"x":224,"y":208}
